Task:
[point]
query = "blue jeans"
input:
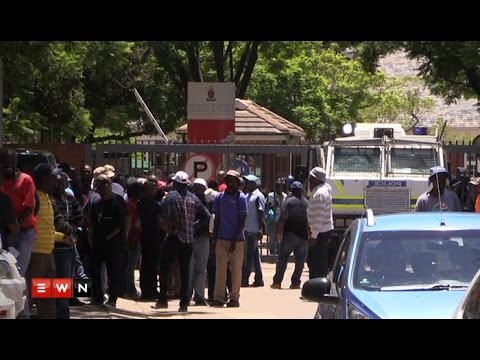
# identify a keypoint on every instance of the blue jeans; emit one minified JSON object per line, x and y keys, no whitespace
{"x":252,"y":255}
{"x":198,"y":268}
{"x":23,"y":242}
{"x":64,"y":262}
{"x":291,"y":242}
{"x":272,"y":244}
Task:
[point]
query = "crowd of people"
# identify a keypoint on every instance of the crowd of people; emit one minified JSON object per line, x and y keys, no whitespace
{"x":181,"y":233}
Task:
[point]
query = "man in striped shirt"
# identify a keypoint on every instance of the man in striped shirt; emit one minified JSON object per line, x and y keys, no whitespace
{"x":184,"y":214}
{"x":320,"y":221}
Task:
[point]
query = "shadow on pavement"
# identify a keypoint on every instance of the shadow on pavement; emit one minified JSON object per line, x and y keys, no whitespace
{"x":103,"y":312}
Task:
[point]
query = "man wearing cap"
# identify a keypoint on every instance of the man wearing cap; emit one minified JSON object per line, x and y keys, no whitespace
{"x":253,"y":232}
{"x":184,"y":213}
{"x":67,"y":218}
{"x":201,"y":247}
{"x":320,"y":220}
{"x":293,"y":226}
{"x":230,"y":208}
{"x":109,"y":170}
{"x":108,"y":217}
{"x":438,"y":198}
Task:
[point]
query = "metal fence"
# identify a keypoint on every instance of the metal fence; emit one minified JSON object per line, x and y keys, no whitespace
{"x":268,"y":162}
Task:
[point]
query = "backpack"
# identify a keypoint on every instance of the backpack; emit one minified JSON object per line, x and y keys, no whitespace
{"x":270,"y":216}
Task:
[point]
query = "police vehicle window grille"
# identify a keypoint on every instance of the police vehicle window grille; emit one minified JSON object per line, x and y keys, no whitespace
{"x":356,"y":160}
{"x":412,"y":161}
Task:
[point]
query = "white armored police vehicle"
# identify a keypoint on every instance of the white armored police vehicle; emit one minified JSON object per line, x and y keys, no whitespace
{"x":379,"y":167}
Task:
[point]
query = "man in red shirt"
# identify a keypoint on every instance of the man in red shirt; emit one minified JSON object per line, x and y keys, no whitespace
{"x":21,"y":190}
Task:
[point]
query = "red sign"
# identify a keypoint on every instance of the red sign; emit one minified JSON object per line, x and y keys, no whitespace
{"x":41,"y":288}
{"x":211,"y":112}
{"x":62,"y":288}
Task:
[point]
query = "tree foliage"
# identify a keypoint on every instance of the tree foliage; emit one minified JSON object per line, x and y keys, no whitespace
{"x":450,"y":68}
{"x":69,"y":91}
{"x":316,"y":86}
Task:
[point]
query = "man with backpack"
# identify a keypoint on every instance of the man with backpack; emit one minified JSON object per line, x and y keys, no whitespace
{"x":253,"y":232}
{"x":275,"y":201}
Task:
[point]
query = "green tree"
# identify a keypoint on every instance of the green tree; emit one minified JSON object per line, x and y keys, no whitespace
{"x":315,"y":85}
{"x":43,"y":92}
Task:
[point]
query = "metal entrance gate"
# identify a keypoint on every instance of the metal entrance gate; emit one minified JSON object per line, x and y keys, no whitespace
{"x":268,"y":162}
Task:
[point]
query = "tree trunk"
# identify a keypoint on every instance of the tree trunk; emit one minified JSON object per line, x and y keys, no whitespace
{"x":191,"y":48}
{"x":241,"y":63}
{"x":229,"y":53}
{"x":473,"y":80}
{"x":218,"y":57}
{"x":252,"y":59}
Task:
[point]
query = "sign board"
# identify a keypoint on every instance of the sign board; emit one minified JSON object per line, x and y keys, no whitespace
{"x":199,"y":166}
{"x":211,"y":111}
{"x":387,"y":183}
{"x":242,"y":167}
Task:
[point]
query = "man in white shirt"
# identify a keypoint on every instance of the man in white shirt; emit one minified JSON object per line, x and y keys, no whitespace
{"x":320,"y":221}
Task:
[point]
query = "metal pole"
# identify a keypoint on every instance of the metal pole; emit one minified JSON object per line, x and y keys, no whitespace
{"x":150,"y":116}
{"x":1,"y":102}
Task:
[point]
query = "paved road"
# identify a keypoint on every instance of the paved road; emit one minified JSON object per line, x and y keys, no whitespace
{"x":255,"y":303}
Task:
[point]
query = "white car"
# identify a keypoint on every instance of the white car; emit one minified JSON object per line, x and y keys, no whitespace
{"x":12,"y":284}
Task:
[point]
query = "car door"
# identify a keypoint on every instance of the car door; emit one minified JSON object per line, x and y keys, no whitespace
{"x":337,"y":276}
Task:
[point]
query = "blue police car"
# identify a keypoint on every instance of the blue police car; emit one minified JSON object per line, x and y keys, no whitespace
{"x":409,"y":265}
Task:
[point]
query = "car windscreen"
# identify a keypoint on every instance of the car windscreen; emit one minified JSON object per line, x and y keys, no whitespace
{"x":416,"y":259}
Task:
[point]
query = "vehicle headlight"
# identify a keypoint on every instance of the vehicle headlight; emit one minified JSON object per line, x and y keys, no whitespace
{"x":355,"y":313}
{"x":5,"y":272}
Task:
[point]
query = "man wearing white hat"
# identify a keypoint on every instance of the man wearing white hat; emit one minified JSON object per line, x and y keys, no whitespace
{"x":201,"y":246}
{"x":184,"y":213}
{"x":320,"y":220}
{"x":438,"y":197}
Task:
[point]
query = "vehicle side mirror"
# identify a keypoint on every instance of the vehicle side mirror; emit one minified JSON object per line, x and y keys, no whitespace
{"x":316,"y":289}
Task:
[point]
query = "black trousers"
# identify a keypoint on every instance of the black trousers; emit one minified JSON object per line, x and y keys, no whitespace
{"x":317,"y":258}
{"x":149,"y":266}
{"x":174,"y":248}
{"x":112,"y":253}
